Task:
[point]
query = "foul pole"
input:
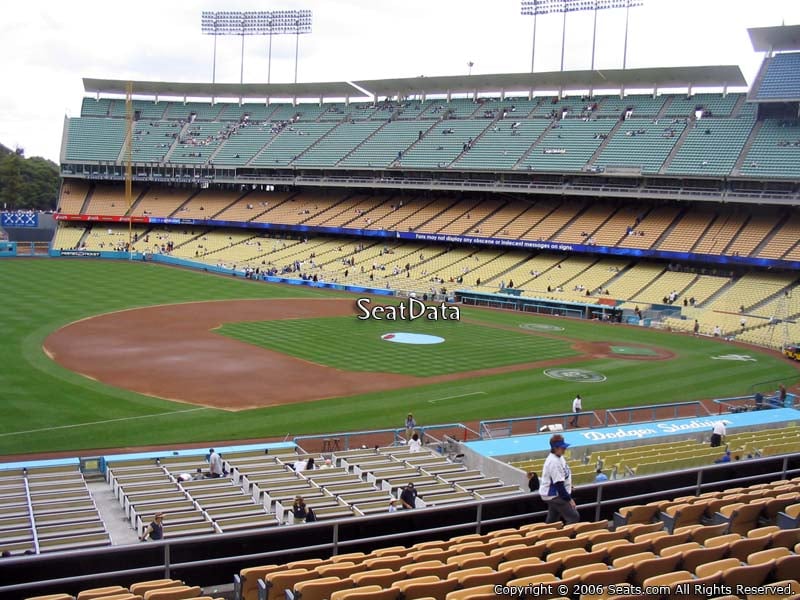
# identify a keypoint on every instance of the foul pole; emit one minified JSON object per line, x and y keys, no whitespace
{"x":129,"y":163}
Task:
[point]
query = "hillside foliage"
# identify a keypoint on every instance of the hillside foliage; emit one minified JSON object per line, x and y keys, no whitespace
{"x":27,"y":183}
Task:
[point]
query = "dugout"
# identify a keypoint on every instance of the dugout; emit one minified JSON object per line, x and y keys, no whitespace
{"x":606,"y":310}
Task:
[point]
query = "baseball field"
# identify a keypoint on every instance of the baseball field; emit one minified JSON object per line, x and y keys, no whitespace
{"x":101,"y":355}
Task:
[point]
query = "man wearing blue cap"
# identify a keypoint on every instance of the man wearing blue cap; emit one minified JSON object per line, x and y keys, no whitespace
{"x":556,"y":484}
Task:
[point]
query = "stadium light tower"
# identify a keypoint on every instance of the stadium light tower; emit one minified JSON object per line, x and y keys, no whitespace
{"x":611,"y":4}
{"x":535,"y":8}
{"x":628,"y":5}
{"x":244,"y":23}
{"x":297,"y":22}
{"x":283,"y":22}
{"x":543,"y":7}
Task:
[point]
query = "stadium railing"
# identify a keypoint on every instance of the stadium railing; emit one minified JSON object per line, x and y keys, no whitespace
{"x":655,"y":412}
{"x":746,"y":403}
{"x":211,"y":559}
{"x":429,"y":434}
{"x":495,"y":428}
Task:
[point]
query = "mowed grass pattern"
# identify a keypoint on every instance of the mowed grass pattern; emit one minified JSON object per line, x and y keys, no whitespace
{"x":48,"y":408}
{"x":351,"y":344}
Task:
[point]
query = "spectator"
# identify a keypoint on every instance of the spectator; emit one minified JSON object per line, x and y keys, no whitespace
{"x":299,"y":510}
{"x":577,"y":405}
{"x":327,"y":464}
{"x":600,"y":476}
{"x":408,"y":498}
{"x":154,"y":531}
{"x":725,"y":458}
{"x":696,"y":327}
{"x":717,"y":434}
{"x":198,"y":474}
{"x":392,"y":505}
{"x":310,"y":466}
{"x":782,"y":394}
{"x":717,"y":331}
{"x":414,"y":445}
{"x":759,"y":400}
{"x":411,"y":425}
{"x":533,"y":482}
{"x":214,"y":463}
{"x":556,"y":484}
{"x":299,"y":465}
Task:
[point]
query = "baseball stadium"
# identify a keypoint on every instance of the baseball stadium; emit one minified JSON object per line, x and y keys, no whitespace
{"x":322,"y":340}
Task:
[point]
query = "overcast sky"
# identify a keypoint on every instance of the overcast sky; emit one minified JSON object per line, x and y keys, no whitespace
{"x":48,"y":46}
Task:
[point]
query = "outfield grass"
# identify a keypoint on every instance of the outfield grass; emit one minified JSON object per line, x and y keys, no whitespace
{"x":466,"y":347}
{"x":46,"y":407}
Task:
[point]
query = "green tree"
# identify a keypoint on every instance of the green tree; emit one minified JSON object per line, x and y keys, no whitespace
{"x":27,"y":183}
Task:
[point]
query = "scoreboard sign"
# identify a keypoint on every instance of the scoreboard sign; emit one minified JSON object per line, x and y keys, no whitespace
{"x":19,"y":219}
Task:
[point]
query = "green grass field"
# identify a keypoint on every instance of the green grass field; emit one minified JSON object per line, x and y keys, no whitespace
{"x":46,"y":407}
{"x":467,"y":347}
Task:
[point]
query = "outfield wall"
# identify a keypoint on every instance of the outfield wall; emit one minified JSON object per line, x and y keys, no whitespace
{"x":8,"y":249}
{"x":206,"y":268}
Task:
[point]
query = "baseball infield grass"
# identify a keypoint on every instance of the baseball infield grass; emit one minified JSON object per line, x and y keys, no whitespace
{"x":466,"y":347}
{"x":47,"y":408}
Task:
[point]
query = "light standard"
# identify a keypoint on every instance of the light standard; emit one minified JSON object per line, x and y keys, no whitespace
{"x":535,"y":8}
{"x":543,"y":7}
{"x":245,"y":23}
{"x":610,"y":4}
{"x":628,"y":5}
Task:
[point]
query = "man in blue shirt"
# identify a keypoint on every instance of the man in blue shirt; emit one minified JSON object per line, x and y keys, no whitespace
{"x":600,"y":476}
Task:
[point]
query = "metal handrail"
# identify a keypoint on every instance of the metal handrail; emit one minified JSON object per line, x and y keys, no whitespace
{"x":31,"y":515}
{"x":484,"y":426}
{"x":654,"y":408}
{"x":397,"y":432}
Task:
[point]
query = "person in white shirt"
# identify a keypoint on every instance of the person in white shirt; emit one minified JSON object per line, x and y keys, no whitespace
{"x":577,"y":405}
{"x":414,"y":444}
{"x":299,"y":465}
{"x":214,"y":463}
{"x":717,"y":434}
{"x":556,"y":484}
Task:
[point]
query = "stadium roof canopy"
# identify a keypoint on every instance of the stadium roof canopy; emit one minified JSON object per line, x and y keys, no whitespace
{"x":663,"y":77}
{"x":770,"y":39}
{"x":564,"y":81}
{"x":333,"y":89}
